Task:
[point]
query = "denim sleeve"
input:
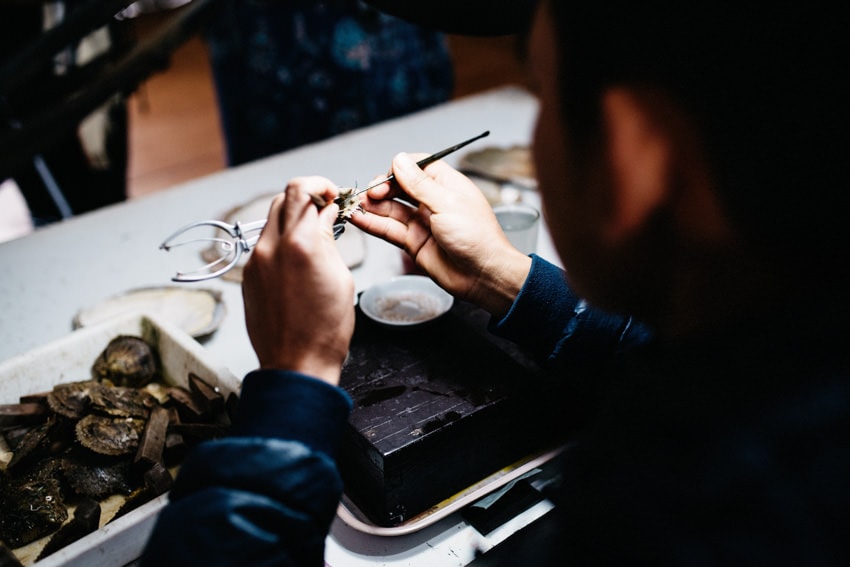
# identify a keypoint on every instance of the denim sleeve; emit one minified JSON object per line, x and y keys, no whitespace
{"x":265,"y":495}
{"x":560,"y":328}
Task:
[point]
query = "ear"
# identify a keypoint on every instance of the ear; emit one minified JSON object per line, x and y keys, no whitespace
{"x":640,"y":154}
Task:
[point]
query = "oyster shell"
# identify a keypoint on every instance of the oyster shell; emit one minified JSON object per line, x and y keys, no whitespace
{"x":120,"y":401}
{"x":30,"y":509}
{"x":349,"y":203}
{"x":198,"y":311}
{"x":110,"y":435}
{"x":72,"y":399}
{"x":84,"y":442}
{"x":86,"y":520}
{"x":48,"y":438}
{"x":512,"y":164}
{"x":98,"y":478}
{"x":127,"y":361}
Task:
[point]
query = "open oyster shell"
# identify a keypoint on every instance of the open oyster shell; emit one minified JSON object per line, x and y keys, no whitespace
{"x":32,"y":508}
{"x":123,"y":402}
{"x":72,"y":400}
{"x":99,"y":479}
{"x":198,"y":311}
{"x":513,"y":164}
{"x":110,"y":435}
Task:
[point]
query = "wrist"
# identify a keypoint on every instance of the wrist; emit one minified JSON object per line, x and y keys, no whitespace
{"x":324,"y":366}
{"x":497,"y":293}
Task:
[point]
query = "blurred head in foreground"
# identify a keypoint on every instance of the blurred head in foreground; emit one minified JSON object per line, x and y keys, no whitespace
{"x":689,"y":154}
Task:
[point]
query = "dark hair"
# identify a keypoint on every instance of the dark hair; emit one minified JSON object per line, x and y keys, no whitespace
{"x":766,"y":85}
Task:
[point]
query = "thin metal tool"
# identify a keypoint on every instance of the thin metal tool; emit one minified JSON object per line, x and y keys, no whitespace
{"x":430,"y":159}
{"x":232,"y":241}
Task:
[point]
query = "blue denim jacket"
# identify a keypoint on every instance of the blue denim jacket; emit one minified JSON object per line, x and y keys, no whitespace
{"x":267,"y":494}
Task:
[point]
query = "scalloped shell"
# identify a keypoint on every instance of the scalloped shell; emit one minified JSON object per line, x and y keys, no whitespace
{"x":198,"y":311}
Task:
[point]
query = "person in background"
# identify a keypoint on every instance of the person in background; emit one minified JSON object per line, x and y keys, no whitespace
{"x":291,"y":73}
{"x":690,"y":166}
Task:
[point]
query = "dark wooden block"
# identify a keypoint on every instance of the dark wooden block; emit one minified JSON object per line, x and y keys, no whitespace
{"x":152,"y":443}
{"x":23,"y":413}
{"x":436,"y":409}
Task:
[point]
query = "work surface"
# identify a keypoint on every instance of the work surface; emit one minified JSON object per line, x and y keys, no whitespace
{"x":49,"y":275}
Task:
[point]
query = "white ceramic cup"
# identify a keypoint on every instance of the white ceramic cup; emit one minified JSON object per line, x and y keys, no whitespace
{"x":521,"y":224}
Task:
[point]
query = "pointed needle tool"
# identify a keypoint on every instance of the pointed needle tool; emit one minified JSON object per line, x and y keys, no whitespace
{"x":431,"y":159}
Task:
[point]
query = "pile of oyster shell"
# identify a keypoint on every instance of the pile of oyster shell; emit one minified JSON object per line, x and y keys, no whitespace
{"x":122,"y":432}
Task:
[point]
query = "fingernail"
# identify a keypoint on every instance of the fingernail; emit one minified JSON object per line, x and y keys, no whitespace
{"x":403,"y":160}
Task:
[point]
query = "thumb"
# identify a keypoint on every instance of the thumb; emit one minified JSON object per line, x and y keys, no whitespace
{"x":328,"y":216}
{"x":414,"y":181}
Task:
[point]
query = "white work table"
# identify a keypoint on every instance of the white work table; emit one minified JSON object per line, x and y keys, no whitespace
{"x":52,"y":273}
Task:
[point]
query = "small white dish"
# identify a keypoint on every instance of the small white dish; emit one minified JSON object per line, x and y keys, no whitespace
{"x":405,"y":301}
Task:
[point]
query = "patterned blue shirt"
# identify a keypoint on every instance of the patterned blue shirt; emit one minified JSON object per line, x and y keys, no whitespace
{"x":290,"y":73}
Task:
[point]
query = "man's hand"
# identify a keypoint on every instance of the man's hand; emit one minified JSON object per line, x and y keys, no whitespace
{"x":297,"y":290}
{"x":451,"y":233}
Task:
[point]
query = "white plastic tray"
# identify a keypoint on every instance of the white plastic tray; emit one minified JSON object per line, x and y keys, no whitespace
{"x":69,"y":360}
{"x":353,"y":517}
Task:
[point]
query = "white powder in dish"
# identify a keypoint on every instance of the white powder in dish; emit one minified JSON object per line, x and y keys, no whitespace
{"x":407,"y":307}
